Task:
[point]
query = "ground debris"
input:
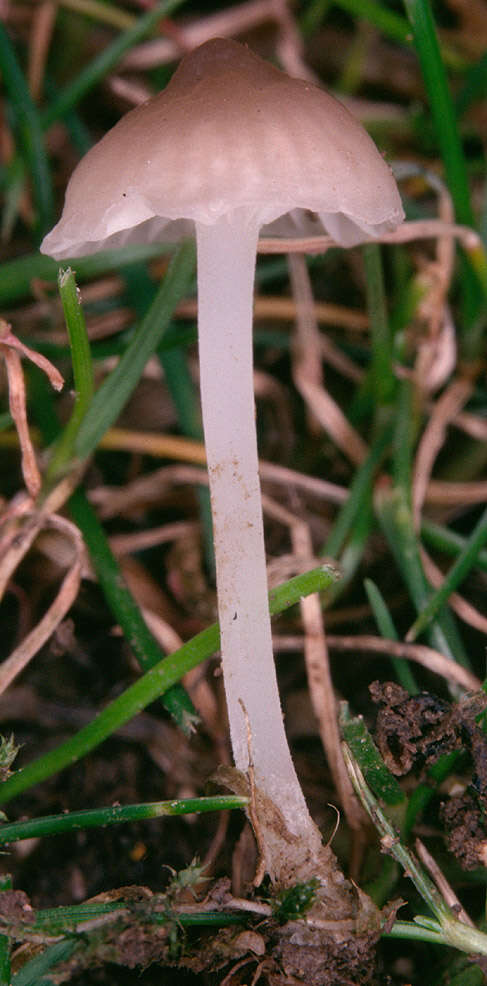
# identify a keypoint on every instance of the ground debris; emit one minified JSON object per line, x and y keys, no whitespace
{"x":412,"y":732}
{"x":15,"y":908}
{"x":465,"y":830}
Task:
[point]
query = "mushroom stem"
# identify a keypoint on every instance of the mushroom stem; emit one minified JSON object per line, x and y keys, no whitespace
{"x":226,"y":266}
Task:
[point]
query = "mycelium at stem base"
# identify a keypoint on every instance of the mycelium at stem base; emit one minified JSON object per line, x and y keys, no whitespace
{"x":226,"y":266}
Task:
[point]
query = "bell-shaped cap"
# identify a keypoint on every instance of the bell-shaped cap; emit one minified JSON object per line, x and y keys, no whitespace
{"x":230,"y":132}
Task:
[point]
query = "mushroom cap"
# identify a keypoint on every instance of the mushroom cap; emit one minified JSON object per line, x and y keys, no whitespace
{"x":230,"y":132}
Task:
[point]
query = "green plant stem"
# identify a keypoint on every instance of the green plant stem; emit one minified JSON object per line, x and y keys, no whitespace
{"x":444,"y":924}
{"x":106,"y":61}
{"x":63,"y":920}
{"x":76,"y":920}
{"x":152,"y":685}
{"x":125,"y":609}
{"x":362,"y":747}
{"x":82,"y":374}
{"x":113,"y":815}
{"x":465,"y":561}
{"x":414,"y":932}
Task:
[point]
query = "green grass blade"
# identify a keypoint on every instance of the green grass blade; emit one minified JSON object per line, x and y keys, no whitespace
{"x":381,"y":370}
{"x":125,"y":609}
{"x":105,"y":13}
{"x":474,"y":87}
{"x":106,"y":61}
{"x":5,"y":970}
{"x":33,"y":973}
{"x":90,"y":818}
{"x":117,"y":388}
{"x":396,"y":520}
{"x":387,"y":629}
{"x":465,"y":561}
{"x":379,"y":778}
{"x":151,"y":686}
{"x":451,"y":543}
{"x":186,"y":401}
{"x":442,"y":110}
{"x":359,"y":494}
{"x":66,"y":920}
{"x":393,"y":509}
{"x":17,"y":276}
{"x":387,"y":21}
{"x":29,"y":131}
{"x":82,"y":373}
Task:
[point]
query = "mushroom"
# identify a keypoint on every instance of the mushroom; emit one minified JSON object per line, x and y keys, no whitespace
{"x":230,"y":146}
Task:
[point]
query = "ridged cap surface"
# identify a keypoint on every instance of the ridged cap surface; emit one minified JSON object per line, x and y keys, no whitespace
{"x":229,"y":132}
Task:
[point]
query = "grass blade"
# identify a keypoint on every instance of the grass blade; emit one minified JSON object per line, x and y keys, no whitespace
{"x":82,"y":373}
{"x":30,"y":133}
{"x":152,"y":685}
{"x":445,"y":123}
{"x":17,"y":276}
{"x":442,"y":110}
{"x":459,"y":570}
{"x":106,"y":61}
{"x":33,"y":973}
{"x":387,"y":629}
{"x":125,"y":608}
{"x":90,"y":818}
{"x":115,"y":391}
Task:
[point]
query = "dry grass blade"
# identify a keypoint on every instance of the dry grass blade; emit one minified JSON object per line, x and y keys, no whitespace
{"x":443,"y":412}
{"x":445,"y":888}
{"x":468,"y":613}
{"x":317,"y":663}
{"x":454,"y":494}
{"x":17,"y":405}
{"x":472,"y":425}
{"x":224,"y":24}
{"x":43,"y":23}
{"x":20,"y":531}
{"x":426,"y":656}
{"x":306,"y":347}
{"x":11,"y":348}
{"x":150,"y":489}
{"x":68,"y":592}
{"x":276,"y":307}
{"x":332,"y":419}
{"x":307,"y":371}
{"x":421,"y":229}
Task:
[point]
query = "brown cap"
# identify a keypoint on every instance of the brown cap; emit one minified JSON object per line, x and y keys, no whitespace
{"x":230,"y":132}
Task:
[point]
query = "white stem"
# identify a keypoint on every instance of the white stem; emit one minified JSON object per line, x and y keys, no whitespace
{"x":226,"y":265}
